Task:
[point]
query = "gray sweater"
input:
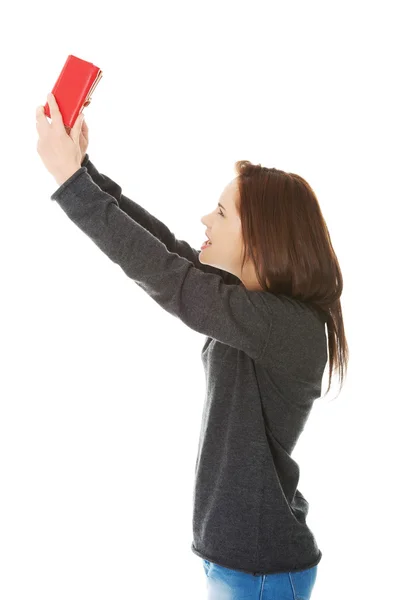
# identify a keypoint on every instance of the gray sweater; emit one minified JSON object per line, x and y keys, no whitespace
{"x":264,"y":357}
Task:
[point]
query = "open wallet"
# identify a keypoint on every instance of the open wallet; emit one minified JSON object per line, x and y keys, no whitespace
{"x":74,"y":88}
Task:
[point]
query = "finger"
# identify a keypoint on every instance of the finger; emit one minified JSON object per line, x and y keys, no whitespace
{"x":42,"y":124}
{"x":76,"y":130}
{"x":54,"y":111}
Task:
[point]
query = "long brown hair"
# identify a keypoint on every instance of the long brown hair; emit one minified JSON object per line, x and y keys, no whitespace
{"x":287,"y":239}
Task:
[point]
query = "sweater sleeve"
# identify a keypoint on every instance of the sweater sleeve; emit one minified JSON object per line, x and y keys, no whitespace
{"x":152,"y":224}
{"x":228,"y":313}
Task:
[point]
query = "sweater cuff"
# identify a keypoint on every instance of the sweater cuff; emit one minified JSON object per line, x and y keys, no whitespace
{"x":85,"y":160}
{"x":62,"y":187}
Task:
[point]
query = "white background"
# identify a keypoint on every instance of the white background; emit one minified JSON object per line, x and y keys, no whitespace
{"x":101,"y":389}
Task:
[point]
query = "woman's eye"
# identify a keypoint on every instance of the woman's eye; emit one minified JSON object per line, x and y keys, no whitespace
{"x":220,"y":213}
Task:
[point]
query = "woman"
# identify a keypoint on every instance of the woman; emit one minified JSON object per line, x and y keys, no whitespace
{"x":262,"y":292}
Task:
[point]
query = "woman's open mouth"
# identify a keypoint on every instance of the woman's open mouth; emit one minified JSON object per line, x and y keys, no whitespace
{"x":206,"y":244}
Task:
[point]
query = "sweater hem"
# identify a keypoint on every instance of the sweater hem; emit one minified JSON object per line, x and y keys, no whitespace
{"x":256,"y":571}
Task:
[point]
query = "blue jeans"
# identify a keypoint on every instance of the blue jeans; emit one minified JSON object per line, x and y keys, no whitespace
{"x":229,"y":584}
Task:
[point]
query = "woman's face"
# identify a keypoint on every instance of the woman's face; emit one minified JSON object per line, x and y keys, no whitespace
{"x":225,"y":233}
{"x":224,"y":230}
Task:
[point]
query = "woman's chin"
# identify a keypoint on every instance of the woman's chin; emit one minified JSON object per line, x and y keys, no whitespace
{"x":202,"y":254}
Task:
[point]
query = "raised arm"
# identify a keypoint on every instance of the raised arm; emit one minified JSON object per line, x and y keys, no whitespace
{"x":152,"y":224}
{"x":231,"y":314}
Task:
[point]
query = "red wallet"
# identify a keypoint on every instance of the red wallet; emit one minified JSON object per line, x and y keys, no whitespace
{"x":74,"y":88}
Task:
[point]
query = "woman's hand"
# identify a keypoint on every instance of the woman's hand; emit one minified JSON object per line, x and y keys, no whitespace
{"x":59,"y":151}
